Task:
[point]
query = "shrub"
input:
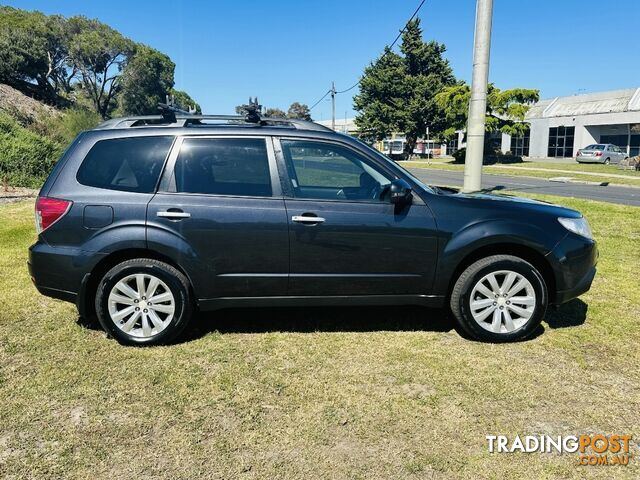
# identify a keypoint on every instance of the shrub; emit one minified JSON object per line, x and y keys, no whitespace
{"x":75,"y":121}
{"x":459,"y":155}
{"x":490,"y":158}
{"x":26,"y":158}
{"x":64,"y":128}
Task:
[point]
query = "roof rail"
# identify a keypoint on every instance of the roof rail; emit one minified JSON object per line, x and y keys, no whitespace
{"x":172,"y":116}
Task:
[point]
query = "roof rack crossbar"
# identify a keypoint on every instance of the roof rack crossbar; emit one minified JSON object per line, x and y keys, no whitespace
{"x":173,"y":116}
{"x":176,"y":119}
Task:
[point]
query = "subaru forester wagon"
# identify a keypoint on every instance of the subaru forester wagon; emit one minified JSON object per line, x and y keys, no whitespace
{"x":144,"y":221}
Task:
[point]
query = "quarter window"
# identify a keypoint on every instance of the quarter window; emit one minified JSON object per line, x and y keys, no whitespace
{"x":223,"y":166}
{"x":128,"y":164}
{"x":333,"y":172}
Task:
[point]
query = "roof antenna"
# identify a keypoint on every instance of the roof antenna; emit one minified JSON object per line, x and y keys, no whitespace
{"x":253,"y":111}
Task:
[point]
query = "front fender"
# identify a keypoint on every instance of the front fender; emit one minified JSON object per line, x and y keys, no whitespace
{"x":473,"y":237}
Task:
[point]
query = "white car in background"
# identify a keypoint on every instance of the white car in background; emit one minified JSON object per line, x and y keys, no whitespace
{"x":601,"y":153}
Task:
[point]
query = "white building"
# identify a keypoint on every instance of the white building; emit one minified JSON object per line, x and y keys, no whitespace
{"x":562,"y":125}
{"x":343,"y":125}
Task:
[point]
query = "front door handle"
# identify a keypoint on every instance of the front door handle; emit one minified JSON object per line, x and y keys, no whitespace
{"x":307,"y":219}
{"x":174,"y":214}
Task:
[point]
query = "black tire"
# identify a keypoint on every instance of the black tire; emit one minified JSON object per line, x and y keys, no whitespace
{"x":607,"y":161}
{"x":173,"y":278}
{"x":461,"y":293}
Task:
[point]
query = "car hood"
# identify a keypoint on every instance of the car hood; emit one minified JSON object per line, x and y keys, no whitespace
{"x":511,"y":201}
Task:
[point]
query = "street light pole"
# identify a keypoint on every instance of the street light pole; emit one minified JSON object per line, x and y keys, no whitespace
{"x":478,"y":102}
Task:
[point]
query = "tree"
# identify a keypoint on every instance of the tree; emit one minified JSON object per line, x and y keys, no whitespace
{"x":397,"y":91}
{"x":34,"y":53}
{"x":506,"y":109}
{"x":99,"y":53}
{"x":146,"y":81}
{"x":382,"y":89}
{"x":275,"y":113}
{"x":299,"y":111}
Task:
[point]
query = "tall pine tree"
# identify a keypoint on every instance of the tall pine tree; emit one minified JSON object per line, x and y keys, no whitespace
{"x":397,"y":91}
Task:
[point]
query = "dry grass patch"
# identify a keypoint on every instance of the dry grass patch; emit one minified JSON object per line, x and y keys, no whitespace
{"x":315,"y":393}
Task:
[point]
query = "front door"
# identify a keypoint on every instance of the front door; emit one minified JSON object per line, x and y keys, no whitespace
{"x":346,"y":238}
{"x":220,"y":209}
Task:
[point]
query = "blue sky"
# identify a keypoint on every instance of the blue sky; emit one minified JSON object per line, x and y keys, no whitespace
{"x":286,"y":51}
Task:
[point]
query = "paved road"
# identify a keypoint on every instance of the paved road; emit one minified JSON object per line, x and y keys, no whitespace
{"x":505,"y":183}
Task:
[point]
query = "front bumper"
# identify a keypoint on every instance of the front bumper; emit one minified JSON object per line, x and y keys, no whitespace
{"x":563,"y":296}
{"x":574,"y":261}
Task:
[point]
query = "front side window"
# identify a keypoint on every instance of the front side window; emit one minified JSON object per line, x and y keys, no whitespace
{"x":332,"y":172}
{"x":223,"y":166}
{"x":127,"y":164}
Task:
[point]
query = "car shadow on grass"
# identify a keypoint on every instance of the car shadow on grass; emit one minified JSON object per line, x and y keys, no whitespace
{"x":347,"y":319}
{"x":322,"y":319}
{"x":570,"y":314}
{"x":357,"y":319}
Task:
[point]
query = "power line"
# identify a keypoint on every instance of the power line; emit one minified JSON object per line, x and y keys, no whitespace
{"x":386,"y":51}
{"x":321,"y":98}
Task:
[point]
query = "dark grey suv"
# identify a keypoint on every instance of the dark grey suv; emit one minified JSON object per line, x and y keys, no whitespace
{"x":146,"y":220}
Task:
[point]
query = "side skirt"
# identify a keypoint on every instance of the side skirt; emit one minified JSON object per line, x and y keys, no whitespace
{"x":432,"y":301}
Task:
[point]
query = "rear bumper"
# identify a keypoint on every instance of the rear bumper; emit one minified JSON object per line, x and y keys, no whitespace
{"x":590,"y":159}
{"x":60,"y":272}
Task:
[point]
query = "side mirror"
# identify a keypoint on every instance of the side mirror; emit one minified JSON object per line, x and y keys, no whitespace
{"x":400,"y":192}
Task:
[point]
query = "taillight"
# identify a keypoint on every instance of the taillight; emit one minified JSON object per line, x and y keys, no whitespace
{"x":578,"y":153}
{"x":49,"y":211}
{"x":598,"y":154}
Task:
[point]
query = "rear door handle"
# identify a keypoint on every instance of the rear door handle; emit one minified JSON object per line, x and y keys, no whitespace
{"x":173,"y":214}
{"x":307,"y":219}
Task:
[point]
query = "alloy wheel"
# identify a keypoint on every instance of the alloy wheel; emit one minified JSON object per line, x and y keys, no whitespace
{"x":502,"y":301}
{"x":141,"y":305}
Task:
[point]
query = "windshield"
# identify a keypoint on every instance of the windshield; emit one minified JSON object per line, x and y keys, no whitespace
{"x":595,"y":146}
{"x":383,"y":157}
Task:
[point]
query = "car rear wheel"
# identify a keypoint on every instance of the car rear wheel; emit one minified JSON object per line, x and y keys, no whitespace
{"x":607,"y":161}
{"x":144,"y":302}
{"x":501,"y":298}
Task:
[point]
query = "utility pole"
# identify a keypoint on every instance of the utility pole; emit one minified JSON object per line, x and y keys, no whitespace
{"x":333,"y":106}
{"x":478,"y":102}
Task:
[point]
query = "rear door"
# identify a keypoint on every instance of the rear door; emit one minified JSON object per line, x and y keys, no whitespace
{"x":346,"y":238}
{"x":220,"y":210}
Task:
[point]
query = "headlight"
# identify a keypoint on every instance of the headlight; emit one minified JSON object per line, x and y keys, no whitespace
{"x":577,"y":225}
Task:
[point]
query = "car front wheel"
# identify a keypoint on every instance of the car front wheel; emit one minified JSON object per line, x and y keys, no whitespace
{"x":144,"y":302}
{"x":500,"y":298}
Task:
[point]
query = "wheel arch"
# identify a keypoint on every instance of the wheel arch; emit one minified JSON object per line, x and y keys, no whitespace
{"x":524,"y":252}
{"x":85,"y":301}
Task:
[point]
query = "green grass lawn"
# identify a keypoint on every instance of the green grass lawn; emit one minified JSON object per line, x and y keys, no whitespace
{"x":316,"y":393}
{"x":577,"y":171}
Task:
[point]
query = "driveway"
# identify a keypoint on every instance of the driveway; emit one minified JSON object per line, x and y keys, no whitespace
{"x":506,"y":183}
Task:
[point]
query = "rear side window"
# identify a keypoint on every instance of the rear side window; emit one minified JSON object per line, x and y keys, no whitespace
{"x":128,"y":164}
{"x":223,"y":166}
